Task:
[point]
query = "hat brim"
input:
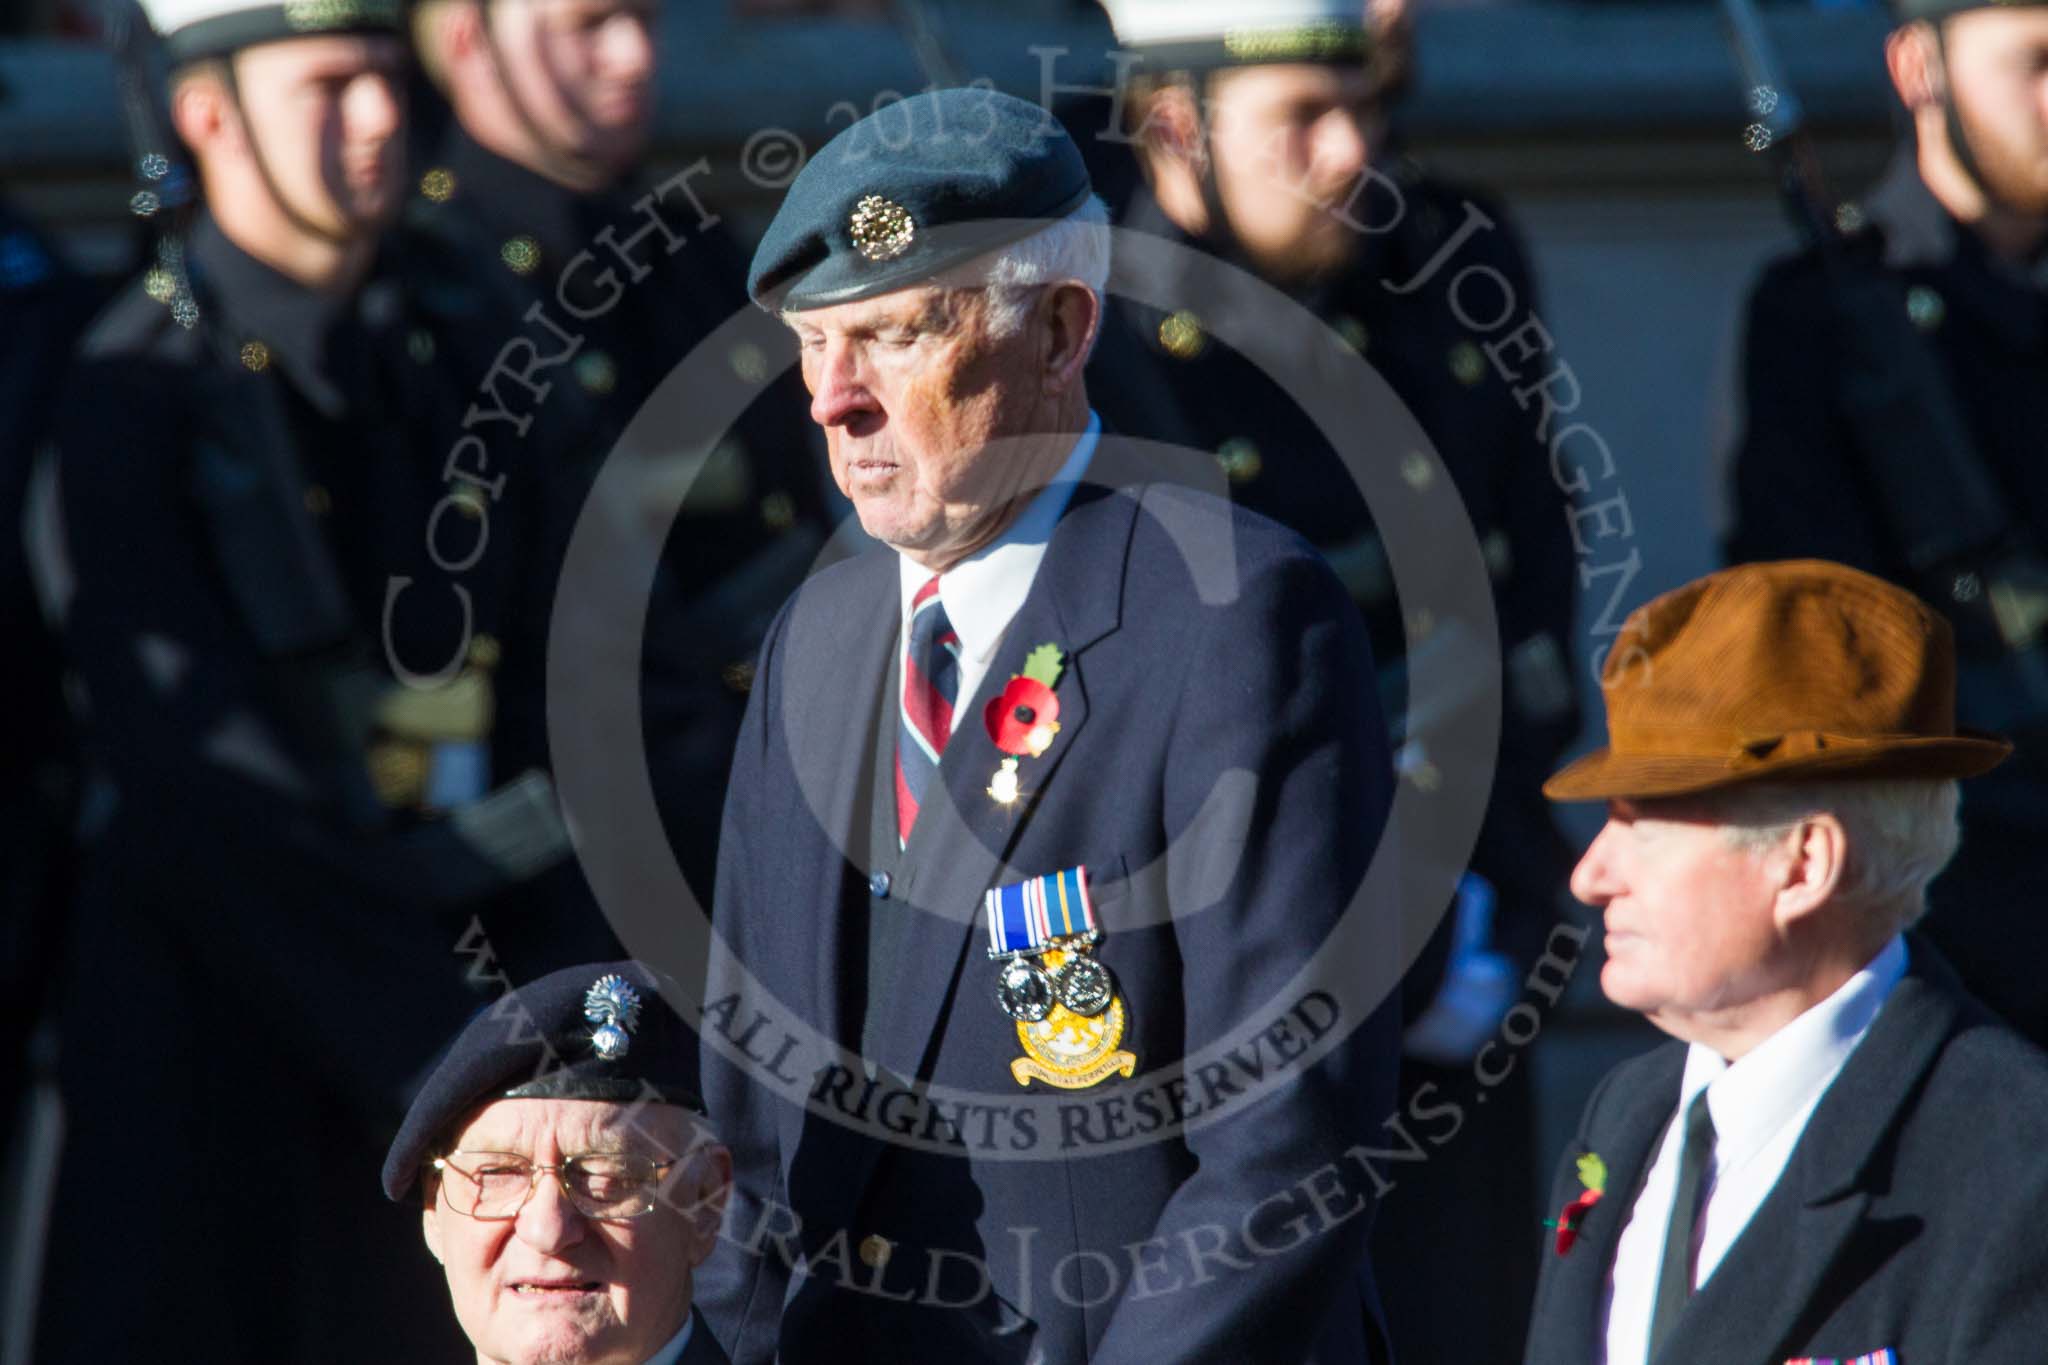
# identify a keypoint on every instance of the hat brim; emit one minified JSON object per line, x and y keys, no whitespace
{"x":1605,"y":775}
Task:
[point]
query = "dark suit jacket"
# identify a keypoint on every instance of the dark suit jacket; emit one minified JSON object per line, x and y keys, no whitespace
{"x":703,"y":1348}
{"x":1217,"y":706}
{"x":1910,"y":1215}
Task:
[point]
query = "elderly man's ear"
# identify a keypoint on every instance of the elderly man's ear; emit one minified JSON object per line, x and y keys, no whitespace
{"x":1072,"y":314}
{"x":430,"y":1228}
{"x":1809,"y":867}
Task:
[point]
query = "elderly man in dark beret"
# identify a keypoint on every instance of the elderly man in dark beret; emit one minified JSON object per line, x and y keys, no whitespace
{"x":1040,"y":810}
{"x":1840,"y":1159}
{"x":570,"y":1187}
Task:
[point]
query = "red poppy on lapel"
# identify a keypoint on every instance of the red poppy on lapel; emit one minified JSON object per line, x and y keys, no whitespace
{"x":1024,"y":718}
{"x":1567,"y":1222}
{"x":1593,"y":1175}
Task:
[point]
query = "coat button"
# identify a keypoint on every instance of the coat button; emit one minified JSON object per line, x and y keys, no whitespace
{"x":879,"y":886}
{"x":874,"y":1251}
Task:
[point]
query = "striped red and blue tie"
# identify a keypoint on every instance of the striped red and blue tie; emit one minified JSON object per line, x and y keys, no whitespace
{"x":931,"y":686}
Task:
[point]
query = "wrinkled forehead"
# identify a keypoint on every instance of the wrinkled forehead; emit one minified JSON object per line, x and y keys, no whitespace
{"x":1693,"y":809}
{"x":530,"y":1126}
{"x":926,"y":306}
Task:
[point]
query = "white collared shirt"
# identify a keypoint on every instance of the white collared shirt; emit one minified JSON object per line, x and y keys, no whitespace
{"x":1760,"y":1107}
{"x":677,"y":1344}
{"x":983,"y":591}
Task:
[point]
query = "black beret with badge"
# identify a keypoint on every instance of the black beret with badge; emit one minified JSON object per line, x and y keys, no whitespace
{"x":596,"y":1032}
{"x":194,"y":30}
{"x":1934,"y":11}
{"x":912,"y":190}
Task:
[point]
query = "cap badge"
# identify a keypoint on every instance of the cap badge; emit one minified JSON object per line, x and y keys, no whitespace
{"x":882,"y":229}
{"x":319,"y":15}
{"x":614,"y":1007}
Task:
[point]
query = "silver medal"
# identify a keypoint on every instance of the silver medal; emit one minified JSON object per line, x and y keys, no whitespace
{"x":1024,"y":991}
{"x":1083,"y":985}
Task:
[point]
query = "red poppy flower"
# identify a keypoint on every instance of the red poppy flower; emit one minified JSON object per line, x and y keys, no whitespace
{"x":1024,"y":719}
{"x":1574,"y":1214}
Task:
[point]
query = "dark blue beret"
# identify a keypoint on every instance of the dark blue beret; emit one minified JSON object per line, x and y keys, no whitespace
{"x":600,"y":1032}
{"x":913,"y":189}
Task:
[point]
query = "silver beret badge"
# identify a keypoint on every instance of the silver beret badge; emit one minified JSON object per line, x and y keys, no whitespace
{"x":614,"y":1006}
{"x":882,"y":229}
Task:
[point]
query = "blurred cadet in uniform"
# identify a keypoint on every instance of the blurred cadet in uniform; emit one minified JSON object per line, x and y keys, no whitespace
{"x":569,"y":1185}
{"x":1896,"y":385}
{"x":528,"y":222}
{"x":43,"y":305}
{"x":284,"y":821}
{"x":1267,"y":142}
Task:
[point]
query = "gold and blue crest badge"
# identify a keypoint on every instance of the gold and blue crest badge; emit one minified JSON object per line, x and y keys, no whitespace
{"x":1070,"y":1018}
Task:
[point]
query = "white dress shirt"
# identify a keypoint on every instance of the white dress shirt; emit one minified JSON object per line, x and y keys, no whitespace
{"x":983,"y":591}
{"x":1760,"y":1106}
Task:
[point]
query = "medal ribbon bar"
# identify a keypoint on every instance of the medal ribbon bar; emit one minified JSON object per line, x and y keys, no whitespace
{"x":1027,"y":916}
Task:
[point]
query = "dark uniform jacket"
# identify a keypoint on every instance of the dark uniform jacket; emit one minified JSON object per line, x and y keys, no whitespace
{"x":1219,"y":772}
{"x":1160,"y":375}
{"x":265,"y":954}
{"x":1806,"y":482}
{"x":598,"y":298}
{"x":1907,"y":1219}
{"x":43,"y":306}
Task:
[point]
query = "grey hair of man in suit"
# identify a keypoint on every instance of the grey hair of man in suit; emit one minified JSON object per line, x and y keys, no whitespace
{"x":1730,"y":913}
{"x":1901,"y":835}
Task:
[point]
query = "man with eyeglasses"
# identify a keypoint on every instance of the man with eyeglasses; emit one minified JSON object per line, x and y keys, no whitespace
{"x":570,"y":1187}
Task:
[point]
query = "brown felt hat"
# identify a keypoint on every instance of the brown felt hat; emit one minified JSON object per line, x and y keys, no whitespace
{"x":1794,"y":671}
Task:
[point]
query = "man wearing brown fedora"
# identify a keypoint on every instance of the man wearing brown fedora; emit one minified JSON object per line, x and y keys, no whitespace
{"x":1841,"y":1157}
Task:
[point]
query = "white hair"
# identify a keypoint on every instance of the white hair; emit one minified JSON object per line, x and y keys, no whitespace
{"x":1902,"y":833}
{"x":1074,"y":248}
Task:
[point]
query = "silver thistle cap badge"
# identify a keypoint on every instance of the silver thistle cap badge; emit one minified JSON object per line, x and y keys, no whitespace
{"x":881,"y":229}
{"x":614,"y":1006}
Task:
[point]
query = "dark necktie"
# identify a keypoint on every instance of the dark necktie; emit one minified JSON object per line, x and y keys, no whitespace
{"x":931,"y":686}
{"x":1674,"y":1281}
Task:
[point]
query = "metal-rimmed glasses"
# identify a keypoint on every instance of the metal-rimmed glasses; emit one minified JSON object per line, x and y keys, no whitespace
{"x":496,"y":1185}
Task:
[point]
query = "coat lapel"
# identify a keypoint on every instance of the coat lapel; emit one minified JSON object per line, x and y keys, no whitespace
{"x":1567,"y":1318}
{"x":1761,"y":1302}
{"x":961,"y":844}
